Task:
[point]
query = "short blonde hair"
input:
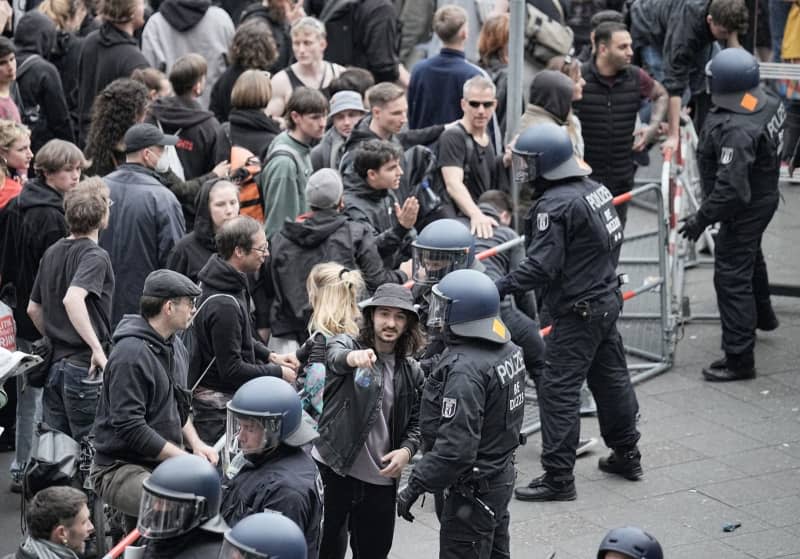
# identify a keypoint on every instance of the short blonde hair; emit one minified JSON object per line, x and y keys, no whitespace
{"x":252,"y":90}
{"x":309,"y":24}
{"x":333,"y":292}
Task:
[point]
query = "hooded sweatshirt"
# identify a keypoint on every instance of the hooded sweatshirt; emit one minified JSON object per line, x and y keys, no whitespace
{"x":251,"y":129}
{"x":323,"y":236}
{"x":224,"y":332}
{"x":281,"y":32}
{"x":551,"y":101}
{"x":137,"y":413}
{"x":107,"y":54}
{"x":34,"y":220}
{"x":44,"y":102}
{"x":192,"y":252}
{"x":196,"y":128}
{"x":184,"y":26}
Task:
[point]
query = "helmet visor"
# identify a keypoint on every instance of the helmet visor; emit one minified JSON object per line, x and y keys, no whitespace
{"x":431,"y":265}
{"x":525,"y":168}
{"x":231,"y":551}
{"x":250,"y":434}
{"x":437,"y":310}
{"x":162,"y":516}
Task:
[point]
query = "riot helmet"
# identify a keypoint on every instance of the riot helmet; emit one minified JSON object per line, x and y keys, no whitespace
{"x":630,"y":541}
{"x":468,"y":304}
{"x":263,"y":413}
{"x":733,"y":80}
{"x":182,"y":493}
{"x":265,"y":535}
{"x":545,"y":151}
{"x":443,"y":246}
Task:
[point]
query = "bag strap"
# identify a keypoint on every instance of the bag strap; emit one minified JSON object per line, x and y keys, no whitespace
{"x":191,"y":324}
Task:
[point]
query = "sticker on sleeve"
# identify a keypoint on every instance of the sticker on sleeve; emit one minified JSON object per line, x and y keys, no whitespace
{"x":542,"y":221}
{"x":726,"y":156}
{"x":449,"y":407}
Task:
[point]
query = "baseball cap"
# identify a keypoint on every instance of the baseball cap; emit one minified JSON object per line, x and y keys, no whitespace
{"x":346,"y":100}
{"x":166,"y":284}
{"x":324,"y":189}
{"x":140,"y":136}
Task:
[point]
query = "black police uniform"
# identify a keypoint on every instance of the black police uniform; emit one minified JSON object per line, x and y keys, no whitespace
{"x":285,"y":481}
{"x":575,"y":237}
{"x":197,"y":544}
{"x":471,"y":415}
{"x":739,"y":160}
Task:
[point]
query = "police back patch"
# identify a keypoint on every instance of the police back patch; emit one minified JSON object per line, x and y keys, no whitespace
{"x":449,"y":407}
{"x":542,"y":221}
{"x":725,"y":156}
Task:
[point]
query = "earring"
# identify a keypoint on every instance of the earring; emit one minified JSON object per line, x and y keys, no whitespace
{"x":65,"y":541}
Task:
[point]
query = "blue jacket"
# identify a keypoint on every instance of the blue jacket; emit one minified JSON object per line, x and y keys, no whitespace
{"x":145,"y":223}
{"x":434,"y":93}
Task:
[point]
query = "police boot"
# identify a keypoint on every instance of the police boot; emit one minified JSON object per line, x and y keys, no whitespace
{"x":625,"y":463}
{"x":548,"y":487}
{"x":734,"y":367}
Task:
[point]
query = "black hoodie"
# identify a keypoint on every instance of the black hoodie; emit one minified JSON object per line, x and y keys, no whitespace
{"x":224,"y":331}
{"x":137,"y":413}
{"x":107,"y":54}
{"x":324,"y":236}
{"x":196,"y":128}
{"x":45,"y":107}
{"x":252,"y":129}
{"x":191,"y":253}
{"x":33,"y":221}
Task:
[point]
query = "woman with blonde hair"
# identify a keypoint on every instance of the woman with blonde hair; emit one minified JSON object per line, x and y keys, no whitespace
{"x":333,"y":293}
{"x":15,"y":158}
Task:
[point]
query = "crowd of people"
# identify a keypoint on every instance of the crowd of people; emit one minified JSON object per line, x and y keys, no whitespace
{"x":244,"y":238}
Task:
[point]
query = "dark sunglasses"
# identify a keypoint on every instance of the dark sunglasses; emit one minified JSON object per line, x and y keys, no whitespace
{"x":486,"y":104}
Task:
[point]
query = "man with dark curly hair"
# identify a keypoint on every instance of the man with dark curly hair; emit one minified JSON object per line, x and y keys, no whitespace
{"x":675,"y":39}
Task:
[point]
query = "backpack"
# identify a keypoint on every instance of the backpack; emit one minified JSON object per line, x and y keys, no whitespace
{"x":245,"y":169}
{"x":29,"y":115}
{"x":544,"y":36}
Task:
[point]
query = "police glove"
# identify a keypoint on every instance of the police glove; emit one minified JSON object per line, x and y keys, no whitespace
{"x":405,"y":500}
{"x":692,"y":228}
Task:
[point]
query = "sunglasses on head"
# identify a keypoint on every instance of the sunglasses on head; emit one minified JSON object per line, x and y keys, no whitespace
{"x":486,"y":104}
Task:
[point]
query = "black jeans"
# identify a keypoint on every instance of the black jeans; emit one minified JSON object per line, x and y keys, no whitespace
{"x":740,"y":275}
{"x":365,"y":510}
{"x":589,"y":349}
{"x":474,"y":524}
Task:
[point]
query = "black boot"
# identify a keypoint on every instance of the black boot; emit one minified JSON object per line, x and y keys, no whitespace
{"x":734,"y":367}
{"x":625,"y":463}
{"x":548,"y":488}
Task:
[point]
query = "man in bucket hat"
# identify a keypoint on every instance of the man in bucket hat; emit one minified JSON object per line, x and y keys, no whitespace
{"x":369,"y":427}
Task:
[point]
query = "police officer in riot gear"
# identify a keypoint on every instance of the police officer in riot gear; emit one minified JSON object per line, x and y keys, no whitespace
{"x":179,"y":511}
{"x":264,"y":465}
{"x":629,"y":543}
{"x":574,"y":242}
{"x":262,"y":536}
{"x":441,"y":247}
{"x":739,"y":160}
{"x":471,"y":415}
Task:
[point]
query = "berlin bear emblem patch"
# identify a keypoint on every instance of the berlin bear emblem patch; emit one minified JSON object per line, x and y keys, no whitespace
{"x":449,"y":407}
{"x":542,"y":221}
{"x":726,"y":156}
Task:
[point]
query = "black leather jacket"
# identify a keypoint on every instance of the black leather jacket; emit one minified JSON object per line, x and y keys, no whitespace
{"x":350,"y":411}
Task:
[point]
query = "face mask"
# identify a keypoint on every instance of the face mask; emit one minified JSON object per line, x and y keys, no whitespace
{"x":162,"y":165}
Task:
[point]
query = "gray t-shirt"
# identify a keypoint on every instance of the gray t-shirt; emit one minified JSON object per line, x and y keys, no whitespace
{"x":369,"y":462}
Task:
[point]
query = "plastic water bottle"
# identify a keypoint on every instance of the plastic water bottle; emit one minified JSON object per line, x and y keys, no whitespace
{"x":429,"y":199}
{"x":363,"y":377}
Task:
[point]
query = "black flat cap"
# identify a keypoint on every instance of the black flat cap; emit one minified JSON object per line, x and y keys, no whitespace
{"x":140,"y":136}
{"x":166,"y":284}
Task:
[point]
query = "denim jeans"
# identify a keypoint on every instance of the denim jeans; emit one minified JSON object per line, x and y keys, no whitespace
{"x":778,"y":13}
{"x":70,"y":399}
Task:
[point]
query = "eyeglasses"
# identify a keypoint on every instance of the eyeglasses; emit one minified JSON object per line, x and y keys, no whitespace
{"x":191,"y":300}
{"x":485,"y":104}
{"x":263,"y":250}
